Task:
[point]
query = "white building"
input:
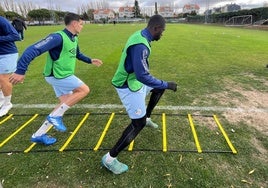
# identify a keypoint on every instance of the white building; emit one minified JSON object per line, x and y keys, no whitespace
{"x":189,"y":8}
{"x":166,"y":12}
{"x":104,"y":14}
{"x":126,"y":12}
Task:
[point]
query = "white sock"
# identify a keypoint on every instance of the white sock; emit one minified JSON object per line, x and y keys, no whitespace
{"x":7,"y":100}
{"x":60,"y":110}
{"x":1,"y":94}
{"x":42,"y":130}
{"x":2,"y":98}
{"x":109,"y":158}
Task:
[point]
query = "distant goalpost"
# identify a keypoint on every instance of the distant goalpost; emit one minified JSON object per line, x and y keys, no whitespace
{"x":239,"y":21}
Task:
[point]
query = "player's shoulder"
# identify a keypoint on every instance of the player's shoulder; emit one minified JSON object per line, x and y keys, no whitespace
{"x":3,"y":21}
{"x":50,"y":40}
{"x":55,"y":37}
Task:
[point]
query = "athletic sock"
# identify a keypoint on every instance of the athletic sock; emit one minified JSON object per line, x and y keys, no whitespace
{"x":2,"y":98}
{"x":1,"y":94}
{"x":42,"y":130}
{"x":109,"y":158}
{"x":7,"y":100}
{"x":60,"y":110}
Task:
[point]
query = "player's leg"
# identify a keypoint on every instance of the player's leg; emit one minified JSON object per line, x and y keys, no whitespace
{"x":134,"y":102}
{"x":7,"y":93}
{"x":128,"y":135}
{"x":69,"y":90}
{"x":7,"y":66}
{"x":110,"y":159}
{"x":22,"y":35}
{"x":156,"y":94}
{"x":77,"y":95}
{"x":41,"y":137}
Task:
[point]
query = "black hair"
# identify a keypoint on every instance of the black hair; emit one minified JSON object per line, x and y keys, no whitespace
{"x":156,"y":20}
{"x":69,"y":17}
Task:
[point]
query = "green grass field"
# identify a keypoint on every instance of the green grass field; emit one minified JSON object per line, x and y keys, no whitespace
{"x":214,"y":67}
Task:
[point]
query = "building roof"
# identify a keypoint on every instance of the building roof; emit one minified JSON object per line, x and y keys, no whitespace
{"x":127,"y":8}
{"x":165,"y":9}
{"x":103,"y":11}
{"x":191,"y":6}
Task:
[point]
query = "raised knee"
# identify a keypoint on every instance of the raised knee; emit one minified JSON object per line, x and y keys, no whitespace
{"x":83,"y":90}
{"x":86,"y":90}
{"x":140,"y":123}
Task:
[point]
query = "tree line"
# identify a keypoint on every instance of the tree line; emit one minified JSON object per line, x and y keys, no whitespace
{"x":257,"y":14}
{"x":26,"y":10}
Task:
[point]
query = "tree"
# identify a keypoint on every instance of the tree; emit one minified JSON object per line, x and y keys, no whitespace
{"x":40,"y":15}
{"x":136,"y":9}
{"x":90,"y":14}
{"x":20,"y":7}
{"x":2,"y":12}
{"x":82,"y":9}
{"x":100,"y":4}
{"x":193,"y":13}
{"x":10,"y":5}
{"x":85,"y":16}
{"x":11,"y":15}
{"x":25,"y":7}
{"x":60,"y":15}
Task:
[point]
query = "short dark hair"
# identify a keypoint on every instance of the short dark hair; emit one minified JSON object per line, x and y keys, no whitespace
{"x":156,"y":20}
{"x":69,"y":17}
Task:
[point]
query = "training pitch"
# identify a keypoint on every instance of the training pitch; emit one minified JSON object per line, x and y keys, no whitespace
{"x":212,"y":131}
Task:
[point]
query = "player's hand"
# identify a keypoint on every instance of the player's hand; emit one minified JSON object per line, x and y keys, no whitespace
{"x":172,"y":86}
{"x":96,"y":62}
{"x":16,"y":78}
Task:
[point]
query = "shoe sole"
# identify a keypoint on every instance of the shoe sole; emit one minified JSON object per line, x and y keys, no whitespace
{"x":43,"y":142}
{"x":107,"y":168}
{"x":152,"y":126}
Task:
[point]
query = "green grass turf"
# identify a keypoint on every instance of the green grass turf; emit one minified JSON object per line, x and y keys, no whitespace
{"x":200,"y":58}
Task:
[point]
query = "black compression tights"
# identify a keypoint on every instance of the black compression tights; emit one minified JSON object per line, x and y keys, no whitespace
{"x":128,"y":135}
{"x":155,"y":97}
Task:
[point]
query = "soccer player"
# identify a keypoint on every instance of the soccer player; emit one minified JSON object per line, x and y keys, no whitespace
{"x":8,"y":62}
{"x":63,"y":50}
{"x":133,"y":82}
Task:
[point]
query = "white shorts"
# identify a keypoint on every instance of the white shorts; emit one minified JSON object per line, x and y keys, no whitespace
{"x":64,"y":86}
{"x":134,"y":102}
{"x":8,"y":63}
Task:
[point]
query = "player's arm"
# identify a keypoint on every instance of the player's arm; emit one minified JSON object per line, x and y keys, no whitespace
{"x":12,"y":34}
{"x":86,"y":59}
{"x":33,"y":51}
{"x":139,"y":57}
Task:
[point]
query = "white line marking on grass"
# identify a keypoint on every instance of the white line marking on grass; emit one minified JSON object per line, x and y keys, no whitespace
{"x":117,"y":106}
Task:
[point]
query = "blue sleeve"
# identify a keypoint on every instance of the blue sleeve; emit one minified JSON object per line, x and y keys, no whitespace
{"x":11,"y":34}
{"x":82,"y":57}
{"x":139,"y":57}
{"x":35,"y":50}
